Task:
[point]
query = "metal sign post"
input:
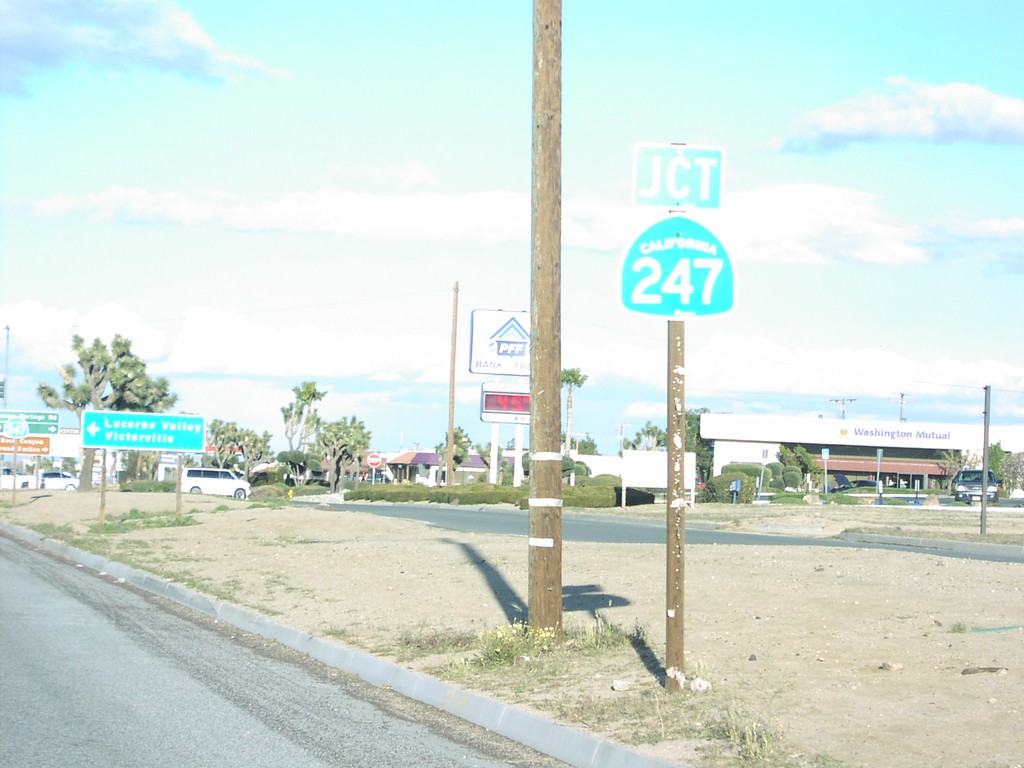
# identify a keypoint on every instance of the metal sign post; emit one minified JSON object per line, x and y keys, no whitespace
{"x":676,"y":507}
{"x":676,"y":268}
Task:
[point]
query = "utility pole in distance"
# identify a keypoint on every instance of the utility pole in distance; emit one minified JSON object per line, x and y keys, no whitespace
{"x":842,"y":404}
{"x":449,"y":478}
{"x":545,"y":539}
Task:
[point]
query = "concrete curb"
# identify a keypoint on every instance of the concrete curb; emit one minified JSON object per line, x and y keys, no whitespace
{"x":961,"y":547}
{"x":558,"y":741}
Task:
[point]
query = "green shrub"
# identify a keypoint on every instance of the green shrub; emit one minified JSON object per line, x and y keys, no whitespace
{"x":478,"y":493}
{"x":600,"y":496}
{"x":774,"y":470}
{"x":788,"y":497}
{"x":268,"y":491}
{"x":581,"y":470}
{"x":398,"y":493}
{"x":717,"y":489}
{"x":777,"y":484}
{"x":603,"y":480}
{"x":792,"y":477}
{"x":581,"y":497}
{"x":312,"y":489}
{"x":752,"y":471}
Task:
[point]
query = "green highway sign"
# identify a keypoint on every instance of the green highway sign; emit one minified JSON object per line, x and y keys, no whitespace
{"x":16,"y":424}
{"x":677,"y":175}
{"x":143,"y":431}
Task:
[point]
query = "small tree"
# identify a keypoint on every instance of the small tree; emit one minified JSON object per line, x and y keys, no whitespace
{"x":650,"y":438}
{"x":1013,"y":472}
{"x":255,"y":448}
{"x":461,"y":444}
{"x":223,"y":436}
{"x":298,"y":465}
{"x":112,"y":379}
{"x":704,"y":448}
{"x":996,"y":456}
{"x":586,"y":445}
{"x":950,"y":462}
{"x":344,"y":444}
{"x":300,"y":417}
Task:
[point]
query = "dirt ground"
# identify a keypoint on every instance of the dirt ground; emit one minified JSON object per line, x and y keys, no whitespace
{"x":852,"y":657}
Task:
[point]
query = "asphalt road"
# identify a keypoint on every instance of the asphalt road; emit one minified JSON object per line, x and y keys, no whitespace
{"x":625,"y":530}
{"x":96,"y":673}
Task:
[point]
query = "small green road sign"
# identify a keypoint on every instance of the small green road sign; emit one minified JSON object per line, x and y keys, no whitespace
{"x":29,"y":423}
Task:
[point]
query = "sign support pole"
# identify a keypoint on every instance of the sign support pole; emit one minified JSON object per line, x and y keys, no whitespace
{"x":676,"y":510}
{"x":103,"y":488}
{"x":177,"y":496}
{"x":545,"y":539}
{"x":14,"y":478}
{"x":449,"y":478}
{"x":984,"y":462}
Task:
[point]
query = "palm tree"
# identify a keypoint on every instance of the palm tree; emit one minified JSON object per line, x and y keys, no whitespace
{"x":572,"y":379}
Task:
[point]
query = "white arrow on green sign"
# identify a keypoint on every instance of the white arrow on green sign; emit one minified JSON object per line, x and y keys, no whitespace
{"x":143,"y":431}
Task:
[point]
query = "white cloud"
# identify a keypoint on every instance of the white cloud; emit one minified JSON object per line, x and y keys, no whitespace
{"x":112,"y":35}
{"x":813,"y":224}
{"x":403,"y":176}
{"x":904,"y":110}
{"x":41,"y":334}
{"x":486,"y":217}
{"x":1008,"y":228}
{"x":252,"y":404}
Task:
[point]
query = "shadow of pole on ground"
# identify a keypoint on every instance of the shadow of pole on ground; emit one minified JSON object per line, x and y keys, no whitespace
{"x":584,"y":597}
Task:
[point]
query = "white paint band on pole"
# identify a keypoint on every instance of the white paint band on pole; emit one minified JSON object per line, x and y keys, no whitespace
{"x":545,"y":502}
{"x":534,"y":542}
{"x":545,"y":456}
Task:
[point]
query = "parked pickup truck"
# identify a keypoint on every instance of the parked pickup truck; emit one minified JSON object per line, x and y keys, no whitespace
{"x":967,"y":485}
{"x":8,"y":478}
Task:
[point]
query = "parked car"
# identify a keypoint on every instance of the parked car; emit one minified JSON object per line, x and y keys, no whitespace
{"x":59,"y":481}
{"x":840,"y":483}
{"x":967,"y":485}
{"x":10,"y":479}
{"x":214,"y":482}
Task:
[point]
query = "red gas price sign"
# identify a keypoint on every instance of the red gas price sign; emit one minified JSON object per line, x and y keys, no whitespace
{"x":504,"y":403}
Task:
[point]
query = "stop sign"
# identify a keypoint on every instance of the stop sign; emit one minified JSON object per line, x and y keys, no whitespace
{"x":374,"y":460}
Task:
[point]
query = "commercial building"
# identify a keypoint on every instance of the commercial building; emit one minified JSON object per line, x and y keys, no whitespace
{"x":902,"y":453}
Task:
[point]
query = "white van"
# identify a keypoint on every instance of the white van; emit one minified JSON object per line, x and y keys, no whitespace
{"x":214,"y":482}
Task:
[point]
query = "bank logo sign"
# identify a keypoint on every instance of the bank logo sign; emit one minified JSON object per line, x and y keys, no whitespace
{"x":499,"y":342}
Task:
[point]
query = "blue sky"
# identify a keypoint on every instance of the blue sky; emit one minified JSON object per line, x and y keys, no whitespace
{"x":261,"y":194}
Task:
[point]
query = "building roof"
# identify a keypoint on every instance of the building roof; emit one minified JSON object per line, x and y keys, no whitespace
{"x":434,"y":459}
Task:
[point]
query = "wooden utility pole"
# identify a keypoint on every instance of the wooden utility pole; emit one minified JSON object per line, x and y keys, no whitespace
{"x":545,"y":541}
{"x":984,"y":461}
{"x":450,"y":459}
{"x":675,"y":509}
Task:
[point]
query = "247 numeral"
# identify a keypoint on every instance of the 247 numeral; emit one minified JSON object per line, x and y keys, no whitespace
{"x":677,"y":282}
